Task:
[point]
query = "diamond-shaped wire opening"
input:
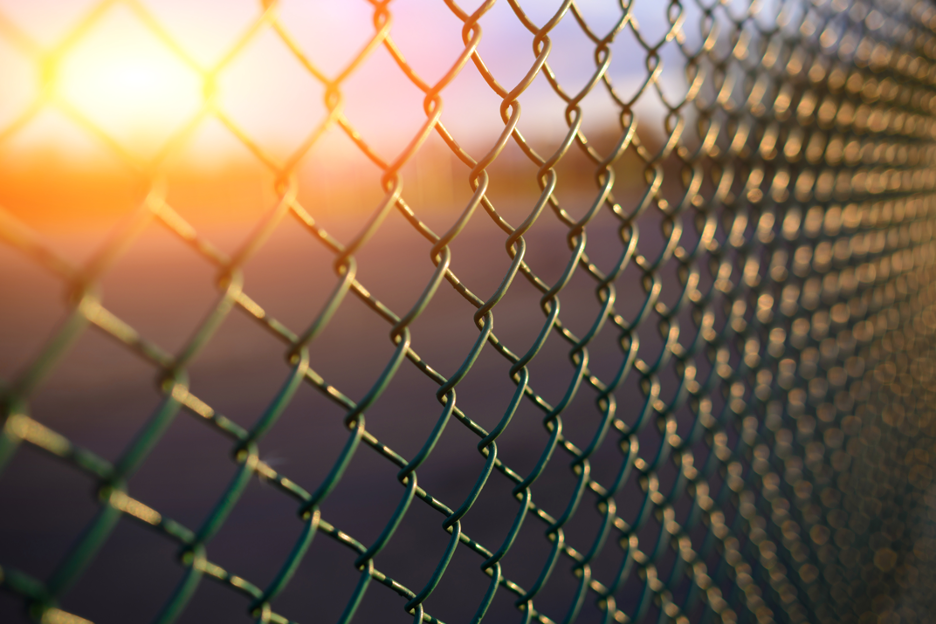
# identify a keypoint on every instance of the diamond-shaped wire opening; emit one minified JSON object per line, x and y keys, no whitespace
{"x":555,"y":488}
{"x":454,"y":466}
{"x":288,"y":448}
{"x":406,"y":414}
{"x":612,"y":455}
{"x":295,"y":305}
{"x":394,"y":265}
{"x":605,"y":245}
{"x":190,"y":445}
{"x":479,"y":257}
{"x":339,"y":186}
{"x":607,"y":565}
{"x":422,"y":524}
{"x":123,"y":80}
{"x":355,"y":326}
{"x":671,"y":287}
{"x":387,"y":130}
{"x":530,"y":552}
{"x":542,"y":120}
{"x":672,"y":75}
{"x":576,"y":189}
{"x":572,"y":57}
{"x":519,"y":317}
{"x":628,"y":71}
{"x":581,"y":421}
{"x":71,"y":401}
{"x":667,"y":473}
{"x":445,"y":333}
{"x":513,"y":189}
{"x":149,"y":282}
{"x":270,"y":97}
{"x":491,"y":517}
{"x":631,"y":172}
{"x":263,"y":509}
{"x":585,"y":525}
{"x":506,"y":45}
{"x":521,"y":445}
{"x":315,"y":28}
{"x":429,"y":36}
{"x":552,"y":373}
{"x":365,"y":498}
{"x":686,"y":422}
{"x":602,"y":124}
{"x":486,"y":392}
{"x":694,"y":28}
{"x":471,"y":112}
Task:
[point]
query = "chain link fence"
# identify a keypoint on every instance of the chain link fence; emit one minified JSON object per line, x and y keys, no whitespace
{"x":757,"y":267}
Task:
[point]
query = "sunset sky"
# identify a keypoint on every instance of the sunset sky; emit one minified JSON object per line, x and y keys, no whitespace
{"x":129,"y":83}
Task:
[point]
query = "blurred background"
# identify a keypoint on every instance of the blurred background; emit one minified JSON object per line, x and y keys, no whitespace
{"x":79,"y":104}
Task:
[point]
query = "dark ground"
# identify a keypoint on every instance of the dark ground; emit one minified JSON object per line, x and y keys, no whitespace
{"x":101,"y":394}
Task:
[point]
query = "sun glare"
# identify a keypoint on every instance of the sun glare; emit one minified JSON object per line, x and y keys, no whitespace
{"x":125,"y":82}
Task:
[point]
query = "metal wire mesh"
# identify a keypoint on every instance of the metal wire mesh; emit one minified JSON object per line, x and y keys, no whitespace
{"x":776,"y":334}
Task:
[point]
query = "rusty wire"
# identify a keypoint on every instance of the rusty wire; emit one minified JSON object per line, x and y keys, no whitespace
{"x":793,"y":195}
